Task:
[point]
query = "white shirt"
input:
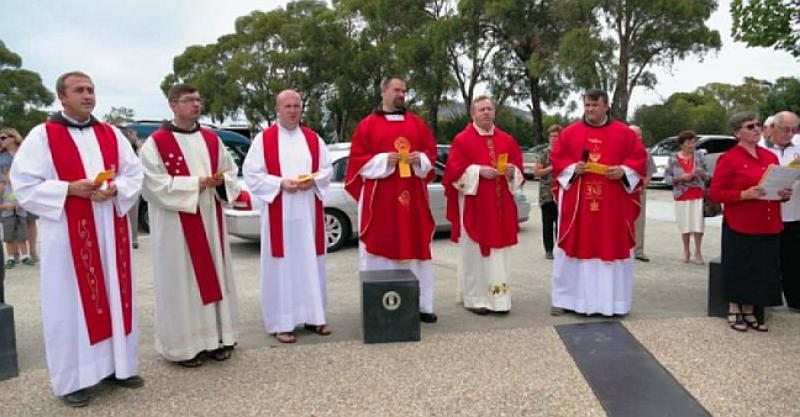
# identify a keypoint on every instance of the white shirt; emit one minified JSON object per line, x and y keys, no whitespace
{"x":790,"y":210}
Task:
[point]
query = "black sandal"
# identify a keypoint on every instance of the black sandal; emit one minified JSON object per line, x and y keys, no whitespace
{"x":736,"y":322}
{"x":755,"y":324}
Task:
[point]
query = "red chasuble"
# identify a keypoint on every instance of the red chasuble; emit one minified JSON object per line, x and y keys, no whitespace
{"x":490,"y":216}
{"x":83,"y":241}
{"x":273,"y":162}
{"x":597,"y":218}
{"x":192,"y":223}
{"x":396,"y":220}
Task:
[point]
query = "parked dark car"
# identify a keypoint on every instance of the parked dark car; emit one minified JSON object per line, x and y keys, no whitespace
{"x":712,"y":145}
{"x":236,"y":144}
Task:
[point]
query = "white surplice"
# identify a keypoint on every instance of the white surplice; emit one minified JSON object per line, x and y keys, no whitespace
{"x":592,"y":286}
{"x":483,"y":281}
{"x":292,"y":287}
{"x":72,"y":361}
{"x":377,"y":168}
{"x":184,"y":325}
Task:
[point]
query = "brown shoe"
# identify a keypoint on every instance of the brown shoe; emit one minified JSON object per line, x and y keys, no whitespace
{"x":286,"y":337}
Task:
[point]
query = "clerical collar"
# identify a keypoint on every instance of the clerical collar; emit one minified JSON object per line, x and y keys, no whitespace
{"x":606,"y":121}
{"x":286,"y":129}
{"x":482,"y":132}
{"x":168,"y":125}
{"x":61,"y":118}
{"x":379,"y":111}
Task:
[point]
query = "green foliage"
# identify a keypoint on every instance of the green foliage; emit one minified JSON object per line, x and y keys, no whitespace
{"x":681,"y":111}
{"x":531,"y":34}
{"x":784,"y":95}
{"x":119,"y":116}
{"x":21,"y":93}
{"x":770,"y":23}
{"x":736,"y":98}
{"x":646,"y":33}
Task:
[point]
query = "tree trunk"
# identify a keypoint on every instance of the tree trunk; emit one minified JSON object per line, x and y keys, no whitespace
{"x":536,"y":109}
{"x":433,"y":118}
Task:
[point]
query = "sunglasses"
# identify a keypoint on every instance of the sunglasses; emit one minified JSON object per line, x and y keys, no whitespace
{"x":751,"y":126}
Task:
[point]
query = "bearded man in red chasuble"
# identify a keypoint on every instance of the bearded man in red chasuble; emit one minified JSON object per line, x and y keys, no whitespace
{"x":390,"y":165}
{"x":599,"y":164}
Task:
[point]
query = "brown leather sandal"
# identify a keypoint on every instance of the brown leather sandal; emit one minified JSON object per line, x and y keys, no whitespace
{"x":286,"y":337}
{"x":322,"y":329}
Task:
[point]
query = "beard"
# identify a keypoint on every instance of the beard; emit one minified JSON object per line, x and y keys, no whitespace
{"x":398,"y":102}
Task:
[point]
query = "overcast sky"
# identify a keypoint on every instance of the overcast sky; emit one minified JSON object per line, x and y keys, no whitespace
{"x":128,"y":46}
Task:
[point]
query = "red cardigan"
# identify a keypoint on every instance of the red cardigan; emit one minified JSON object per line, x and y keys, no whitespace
{"x":737,"y":171}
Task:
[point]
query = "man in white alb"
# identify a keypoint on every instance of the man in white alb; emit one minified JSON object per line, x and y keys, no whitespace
{"x":188,"y":175}
{"x":88,"y":303}
{"x":288,"y":169}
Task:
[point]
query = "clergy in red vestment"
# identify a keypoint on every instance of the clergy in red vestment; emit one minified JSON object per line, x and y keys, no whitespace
{"x":88,"y":296}
{"x":391,"y":162}
{"x":599,"y":164}
{"x":484,"y":169}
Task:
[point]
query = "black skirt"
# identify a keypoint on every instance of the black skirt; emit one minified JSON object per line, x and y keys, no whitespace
{"x":751,"y":268}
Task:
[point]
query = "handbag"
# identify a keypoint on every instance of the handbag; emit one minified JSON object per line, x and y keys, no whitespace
{"x":710,"y":208}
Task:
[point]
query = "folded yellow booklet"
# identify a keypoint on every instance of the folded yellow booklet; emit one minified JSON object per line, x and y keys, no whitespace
{"x":307,"y":177}
{"x":219,"y":173}
{"x":104,"y":176}
{"x":502,"y":163}
{"x":595,"y":168}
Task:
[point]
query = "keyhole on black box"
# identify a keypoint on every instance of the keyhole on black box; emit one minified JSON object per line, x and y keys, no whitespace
{"x":391,"y":300}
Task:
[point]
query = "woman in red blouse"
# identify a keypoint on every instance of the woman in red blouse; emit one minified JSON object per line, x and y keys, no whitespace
{"x":686,"y":172}
{"x":751,"y":227}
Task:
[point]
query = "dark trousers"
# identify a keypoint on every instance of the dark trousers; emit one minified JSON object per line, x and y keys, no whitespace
{"x":790,"y":263}
{"x":549,"y":224}
{"x":2,"y":276}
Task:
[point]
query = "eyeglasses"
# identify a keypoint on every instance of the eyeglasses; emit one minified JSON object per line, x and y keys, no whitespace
{"x":751,"y":126}
{"x":788,"y":129}
{"x":190,"y":100}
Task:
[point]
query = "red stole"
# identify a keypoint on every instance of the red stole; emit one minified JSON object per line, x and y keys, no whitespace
{"x":490,"y":216}
{"x":598,"y":216}
{"x":194,"y":232}
{"x":396,"y":220}
{"x":83,"y":241}
{"x":272,"y":160}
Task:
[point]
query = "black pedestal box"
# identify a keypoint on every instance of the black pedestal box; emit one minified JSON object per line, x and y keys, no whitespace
{"x":717,"y":304}
{"x":8,"y":343}
{"x":390,"y":306}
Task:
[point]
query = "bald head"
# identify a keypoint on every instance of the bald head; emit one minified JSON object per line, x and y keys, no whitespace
{"x":289,"y":107}
{"x":785,"y":125}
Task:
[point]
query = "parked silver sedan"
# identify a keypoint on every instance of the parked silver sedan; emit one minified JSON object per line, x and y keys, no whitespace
{"x":341,"y":211}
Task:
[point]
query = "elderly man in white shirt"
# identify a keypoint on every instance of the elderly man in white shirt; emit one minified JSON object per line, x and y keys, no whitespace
{"x":785,"y":125}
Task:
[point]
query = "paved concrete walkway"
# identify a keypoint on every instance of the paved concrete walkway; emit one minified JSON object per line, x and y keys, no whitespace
{"x":465,"y":365}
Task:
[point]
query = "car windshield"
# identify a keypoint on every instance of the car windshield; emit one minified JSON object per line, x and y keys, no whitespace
{"x":665,"y":148}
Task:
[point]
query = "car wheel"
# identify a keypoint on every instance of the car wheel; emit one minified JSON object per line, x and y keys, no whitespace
{"x":144,"y":217}
{"x":337,"y":229}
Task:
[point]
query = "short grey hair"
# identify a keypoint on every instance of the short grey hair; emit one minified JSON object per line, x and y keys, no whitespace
{"x":479,"y":99}
{"x":780,"y":118}
{"x":61,"y":82}
{"x":738,"y":119}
